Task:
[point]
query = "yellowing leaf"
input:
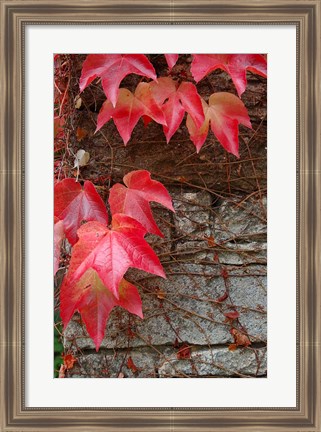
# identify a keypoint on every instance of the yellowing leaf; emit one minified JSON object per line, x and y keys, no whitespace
{"x":223,"y":113}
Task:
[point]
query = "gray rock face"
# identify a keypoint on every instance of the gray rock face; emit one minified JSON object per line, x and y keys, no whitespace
{"x":166,"y":363}
{"x":218,"y":362}
{"x":214,"y":256}
{"x":240,"y":220}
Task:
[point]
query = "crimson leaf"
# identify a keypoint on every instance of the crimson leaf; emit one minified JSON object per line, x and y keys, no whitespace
{"x":94,"y":301}
{"x":74,"y":204}
{"x":128,"y":110}
{"x":175,"y":100}
{"x":110,"y":252}
{"x":224,"y":112}
{"x":134,"y":199}
{"x":112,"y":68}
{"x":235,"y":65}
{"x":171,"y":59}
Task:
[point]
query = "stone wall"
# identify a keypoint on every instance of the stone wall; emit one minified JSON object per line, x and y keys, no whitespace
{"x":213,"y":250}
{"x":208,"y":250}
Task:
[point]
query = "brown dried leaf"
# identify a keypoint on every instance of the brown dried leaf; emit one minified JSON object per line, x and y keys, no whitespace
{"x":240,"y":339}
{"x":81,"y":133}
{"x":161,"y":295}
{"x":69,"y":361}
{"x":210,"y":241}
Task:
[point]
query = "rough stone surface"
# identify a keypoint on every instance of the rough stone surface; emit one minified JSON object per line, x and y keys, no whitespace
{"x":240,"y":220}
{"x":205,"y":252}
{"x":193,"y":222}
{"x":218,"y":362}
{"x":186,"y":310}
{"x":165,"y":362}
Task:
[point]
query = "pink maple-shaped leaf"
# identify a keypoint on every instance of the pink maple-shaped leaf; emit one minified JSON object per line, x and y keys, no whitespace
{"x":125,"y":114}
{"x":224,"y":113}
{"x":58,"y":238}
{"x":74,"y":204}
{"x":94,"y":301}
{"x":134,"y":199}
{"x":128,"y":110}
{"x":171,"y":60}
{"x":235,"y":65}
{"x":112,"y":68}
{"x":175,"y":100}
{"x":110,"y":252}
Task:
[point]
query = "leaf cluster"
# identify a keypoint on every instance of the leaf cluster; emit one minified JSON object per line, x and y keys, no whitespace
{"x":103,"y":249}
{"x":102,"y":253}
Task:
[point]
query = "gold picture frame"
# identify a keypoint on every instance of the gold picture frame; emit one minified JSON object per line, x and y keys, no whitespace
{"x":306,"y":16}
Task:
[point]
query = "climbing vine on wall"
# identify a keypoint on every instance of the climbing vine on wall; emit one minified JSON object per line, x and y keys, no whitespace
{"x":106,"y":240}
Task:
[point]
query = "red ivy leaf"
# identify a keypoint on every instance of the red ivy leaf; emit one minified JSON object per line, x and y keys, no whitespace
{"x":235,"y":65}
{"x":184,"y":352}
{"x":112,"y":68}
{"x":134,"y":199}
{"x":131,"y":365}
{"x":171,"y":60}
{"x":146,"y":120}
{"x":144,"y":94}
{"x":94,"y":301}
{"x":175,"y":100}
{"x":111,"y":252}
{"x":74,"y":204}
{"x":128,"y":110}
{"x":224,"y":113}
{"x":222,"y":298}
{"x":58,"y":237}
{"x":232,"y":347}
{"x":232,"y":315}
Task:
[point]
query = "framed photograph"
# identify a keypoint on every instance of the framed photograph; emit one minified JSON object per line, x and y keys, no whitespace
{"x":160,"y":197}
